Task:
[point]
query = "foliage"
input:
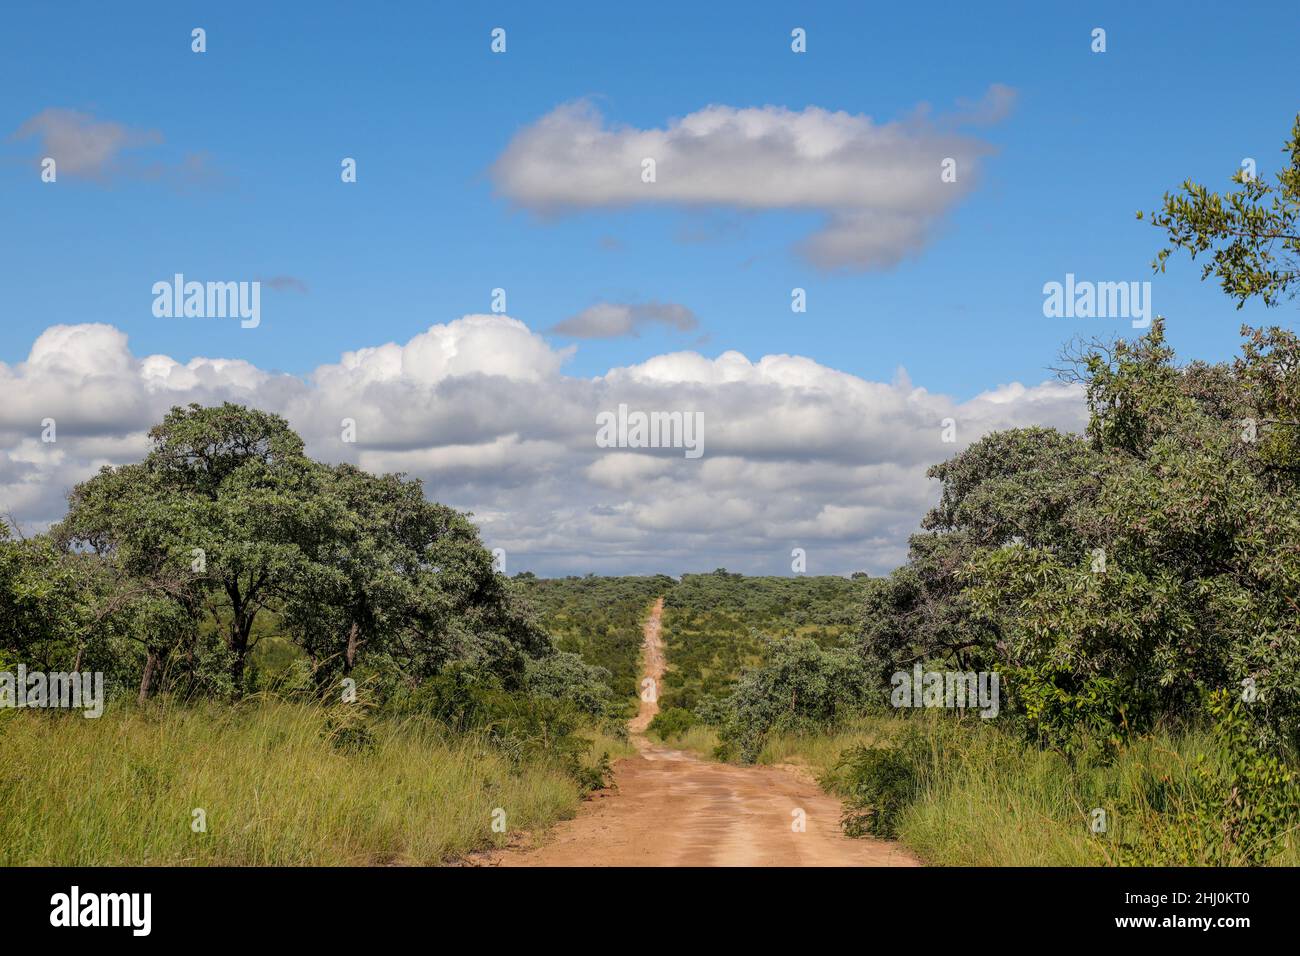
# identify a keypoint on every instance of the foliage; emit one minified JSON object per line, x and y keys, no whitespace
{"x":672,"y":722}
{"x":717,"y":624}
{"x":219,"y":516}
{"x":1113,"y":579}
{"x":1252,"y":233}
{"x":348,"y":728}
{"x":45,"y":603}
{"x":466,"y":699}
{"x":599,"y":619}
{"x":227,"y":534}
{"x":1231,"y":811}
{"x":799,"y":686}
{"x":879,"y":782}
{"x":565,"y":676}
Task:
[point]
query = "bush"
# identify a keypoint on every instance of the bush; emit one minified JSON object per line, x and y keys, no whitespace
{"x":524,"y":727}
{"x":1234,"y":808}
{"x":348,"y":730}
{"x":564,"y":676}
{"x":801,"y":687}
{"x":878,"y":784}
{"x":672,"y":722}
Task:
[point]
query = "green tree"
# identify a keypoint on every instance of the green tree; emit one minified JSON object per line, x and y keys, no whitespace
{"x":44,"y":604}
{"x":408,"y":582}
{"x":1177,"y":569}
{"x":799,"y":686}
{"x":1115,"y":578}
{"x":227,"y":518}
{"x":1020,"y":486}
{"x":222,"y":516}
{"x":1252,"y":233}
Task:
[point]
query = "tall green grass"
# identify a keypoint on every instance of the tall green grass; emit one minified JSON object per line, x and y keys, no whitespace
{"x":699,"y":739}
{"x":989,"y":799}
{"x":997,"y":801}
{"x":275,"y":788}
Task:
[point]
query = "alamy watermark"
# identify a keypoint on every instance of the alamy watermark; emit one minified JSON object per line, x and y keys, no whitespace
{"x":624,"y":429}
{"x":208,"y":300}
{"x":67,"y":691}
{"x":964,"y":690}
{"x":75,"y":908}
{"x":1098,"y":300}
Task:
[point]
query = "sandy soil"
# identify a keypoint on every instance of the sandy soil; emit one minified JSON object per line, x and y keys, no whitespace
{"x":670,"y":808}
{"x":653,"y":667}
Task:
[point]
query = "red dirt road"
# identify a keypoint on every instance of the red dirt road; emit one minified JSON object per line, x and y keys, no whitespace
{"x":670,"y":808}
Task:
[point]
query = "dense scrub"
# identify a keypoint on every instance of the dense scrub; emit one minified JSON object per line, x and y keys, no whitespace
{"x":1136,"y":588}
{"x":599,"y":619}
{"x":1116,"y":579}
{"x":717,"y":624}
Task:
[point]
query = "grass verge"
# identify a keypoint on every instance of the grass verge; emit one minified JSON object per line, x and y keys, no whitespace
{"x":273,"y":788}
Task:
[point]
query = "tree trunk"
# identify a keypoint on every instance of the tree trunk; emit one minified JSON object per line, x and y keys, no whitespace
{"x":148,"y":680}
{"x":350,"y":657}
{"x":240,"y":628}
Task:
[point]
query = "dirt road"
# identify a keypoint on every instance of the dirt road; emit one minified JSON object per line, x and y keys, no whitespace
{"x":670,"y":808}
{"x":652,"y":666}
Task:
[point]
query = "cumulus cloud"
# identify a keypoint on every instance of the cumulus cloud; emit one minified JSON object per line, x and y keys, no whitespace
{"x":877,"y":184}
{"x":608,"y":320}
{"x":796,"y":454}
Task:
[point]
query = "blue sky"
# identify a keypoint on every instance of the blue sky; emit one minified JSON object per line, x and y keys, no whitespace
{"x":225,"y":166}
{"x":413,"y":92}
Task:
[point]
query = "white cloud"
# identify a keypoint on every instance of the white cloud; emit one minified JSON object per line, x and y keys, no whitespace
{"x":797,"y":454}
{"x":878,"y":184}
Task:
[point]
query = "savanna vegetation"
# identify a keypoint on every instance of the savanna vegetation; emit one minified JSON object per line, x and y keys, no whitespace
{"x":600,"y":620}
{"x":326,"y":663}
{"x":265,"y":781}
{"x":255,"y":610}
{"x":717,"y":624}
{"x":1136,"y":587}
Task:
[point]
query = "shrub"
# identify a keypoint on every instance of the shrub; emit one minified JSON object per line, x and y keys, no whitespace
{"x":672,"y":722}
{"x":348,"y":729}
{"x":524,"y":727}
{"x":878,"y":783}
{"x":800,"y":687}
{"x":564,"y":676}
{"x":1233,"y":809}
